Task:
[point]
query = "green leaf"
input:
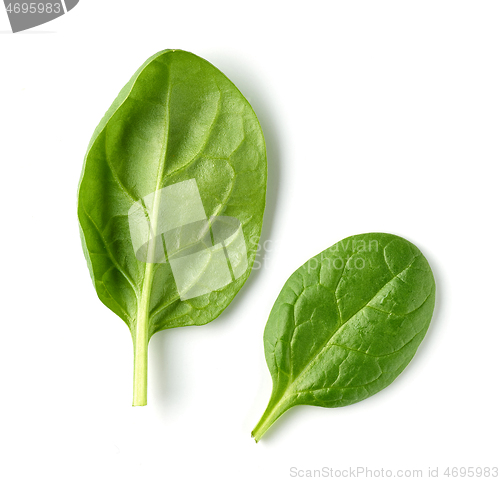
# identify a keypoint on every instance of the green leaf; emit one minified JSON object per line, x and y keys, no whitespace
{"x":346,"y":324}
{"x":178,"y":131}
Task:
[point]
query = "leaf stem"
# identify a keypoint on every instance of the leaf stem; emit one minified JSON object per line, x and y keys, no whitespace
{"x":140,"y":396}
{"x":141,"y":338}
{"x":271,"y":414}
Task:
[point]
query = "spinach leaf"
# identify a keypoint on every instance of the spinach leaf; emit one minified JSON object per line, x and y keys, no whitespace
{"x":171,"y":199}
{"x":346,"y":324}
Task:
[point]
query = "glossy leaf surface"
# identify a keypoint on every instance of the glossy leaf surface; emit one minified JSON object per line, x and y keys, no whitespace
{"x":346,"y":323}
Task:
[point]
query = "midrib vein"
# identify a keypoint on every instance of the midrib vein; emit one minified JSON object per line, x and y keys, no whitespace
{"x":141,"y":338}
{"x":143,"y":308}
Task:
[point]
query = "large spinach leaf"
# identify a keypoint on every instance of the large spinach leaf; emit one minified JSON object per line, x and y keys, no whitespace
{"x":346,"y":324}
{"x":181,"y":146}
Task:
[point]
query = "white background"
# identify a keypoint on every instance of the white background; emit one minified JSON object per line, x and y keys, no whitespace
{"x":378,"y":116}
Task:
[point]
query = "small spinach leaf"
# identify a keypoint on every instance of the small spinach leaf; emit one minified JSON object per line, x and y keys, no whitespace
{"x":346,"y":324}
{"x":171,"y":199}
